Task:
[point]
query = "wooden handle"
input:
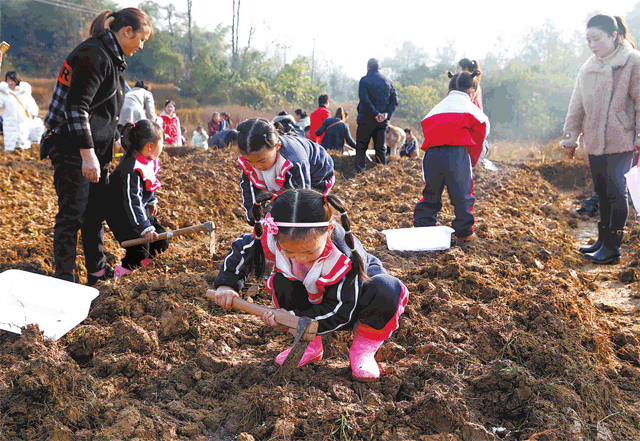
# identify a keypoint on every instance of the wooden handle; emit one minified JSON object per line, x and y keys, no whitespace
{"x":169,"y":234}
{"x":281,"y":317}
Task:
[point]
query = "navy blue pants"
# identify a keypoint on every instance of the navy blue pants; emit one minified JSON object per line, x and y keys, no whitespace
{"x":137,"y":253}
{"x":81,"y":207}
{"x":607,"y":172}
{"x":379,"y":300}
{"x":364,"y":133}
{"x":448,"y":166}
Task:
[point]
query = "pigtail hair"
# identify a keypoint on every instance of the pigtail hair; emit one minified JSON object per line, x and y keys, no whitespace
{"x":476,"y":73}
{"x":450,"y":74}
{"x":356,"y":258}
{"x":256,"y":259}
{"x":125,"y":133}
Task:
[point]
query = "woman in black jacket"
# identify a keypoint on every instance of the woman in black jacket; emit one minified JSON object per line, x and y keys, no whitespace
{"x":81,"y":131}
{"x":337,"y":131}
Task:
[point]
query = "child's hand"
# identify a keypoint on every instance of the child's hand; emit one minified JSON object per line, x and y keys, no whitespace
{"x":269,"y":318}
{"x":151,"y":236}
{"x":223,"y":296}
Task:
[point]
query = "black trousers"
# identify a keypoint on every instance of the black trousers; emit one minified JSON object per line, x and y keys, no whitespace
{"x":607,"y":172}
{"x":137,"y":253}
{"x":364,"y":133}
{"x":81,"y":207}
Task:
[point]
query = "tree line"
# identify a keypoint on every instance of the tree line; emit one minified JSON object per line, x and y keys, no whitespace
{"x":526,"y":95}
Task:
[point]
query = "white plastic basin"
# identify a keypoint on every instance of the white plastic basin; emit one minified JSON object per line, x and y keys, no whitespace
{"x":55,"y":305}
{"x":419,"y":239}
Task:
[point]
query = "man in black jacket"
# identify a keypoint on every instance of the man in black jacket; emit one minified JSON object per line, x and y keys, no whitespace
{"x":378,"y":101}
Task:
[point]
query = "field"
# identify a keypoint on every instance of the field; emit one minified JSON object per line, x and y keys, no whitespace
{"x":515,"y":338}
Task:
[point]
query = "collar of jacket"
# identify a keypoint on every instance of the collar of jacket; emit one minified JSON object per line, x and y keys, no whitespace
{"x":618,"y":59}
{"x":112,"y":45}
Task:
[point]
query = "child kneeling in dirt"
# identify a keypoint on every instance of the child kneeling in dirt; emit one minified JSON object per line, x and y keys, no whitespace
{"x":454,"y":134}
{"x":273,"y":163}
{"x":320,"y":271}
{"x":132,"y":204}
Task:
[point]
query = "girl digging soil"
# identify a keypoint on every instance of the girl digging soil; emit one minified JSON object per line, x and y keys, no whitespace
{"x":272,"y":163}
{"x":320,"y":271}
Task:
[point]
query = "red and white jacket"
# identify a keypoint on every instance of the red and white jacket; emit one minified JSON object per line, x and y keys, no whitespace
{"x":456,"y":121}
{"x":171,"y":127}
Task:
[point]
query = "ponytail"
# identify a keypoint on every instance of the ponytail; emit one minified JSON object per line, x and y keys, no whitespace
{"x":623,"y":32}
{"x":255,"y":257}
{"x":356,"y":258}
{"x":134,"y":17}
{"x":464,"y":81}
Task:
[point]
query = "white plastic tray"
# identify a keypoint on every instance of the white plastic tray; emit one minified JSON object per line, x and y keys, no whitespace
{"x":55,"y":305}
{"x":419,"y":239}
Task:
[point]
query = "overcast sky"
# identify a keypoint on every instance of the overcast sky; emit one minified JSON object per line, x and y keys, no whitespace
{"x":349,"y":32}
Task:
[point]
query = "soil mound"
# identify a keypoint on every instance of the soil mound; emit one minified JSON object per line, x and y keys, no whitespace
{"x":503,"y":340}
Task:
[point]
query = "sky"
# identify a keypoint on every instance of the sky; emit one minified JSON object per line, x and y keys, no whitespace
{"x":349,"y":32}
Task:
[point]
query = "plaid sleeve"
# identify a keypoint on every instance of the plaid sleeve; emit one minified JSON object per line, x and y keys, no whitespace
{"x":88,"y":72}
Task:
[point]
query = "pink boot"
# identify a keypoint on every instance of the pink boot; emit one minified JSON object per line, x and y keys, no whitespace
{"x":119,"y":272}
{"x":312,"y":354}
{"x":363,"y":364}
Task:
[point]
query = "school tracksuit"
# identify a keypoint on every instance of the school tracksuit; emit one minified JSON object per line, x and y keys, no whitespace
{"x":131,"y":194}
{"x":454,"y":133}
{"x":305,"y":165}
{"x":330,"y":293}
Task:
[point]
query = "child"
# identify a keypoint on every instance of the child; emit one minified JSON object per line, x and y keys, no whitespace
{"x":131,"y":195}
{"x":273,"y":163}
{"x":171,"y":125}
{"x":320,"y":271}
{"x":200,"y":138}
{"x":224,"y":139}
{"x":225,"y":122}
{"x":454,"y":133}
{"x":410,"y":146}
{"x":183,"y":137}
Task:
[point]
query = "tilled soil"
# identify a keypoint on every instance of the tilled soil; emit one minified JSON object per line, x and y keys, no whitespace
{"x":512,"y":338}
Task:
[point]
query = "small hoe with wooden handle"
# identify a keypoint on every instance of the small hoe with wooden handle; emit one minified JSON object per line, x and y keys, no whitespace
{"x":305,"y":329}
{"x":207,"y":227}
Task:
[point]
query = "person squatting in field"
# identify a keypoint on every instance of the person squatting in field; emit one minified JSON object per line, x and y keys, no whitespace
{"x":321,"y":271}
{"x":132,"y":202}
{"x":454,"y":133}
{"x":605,"y":109}
{"x":81,"y":130}
{"x":273,"y":163}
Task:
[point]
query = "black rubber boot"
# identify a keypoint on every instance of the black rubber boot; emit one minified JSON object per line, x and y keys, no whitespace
{"x":596,"y":246}
{"x":609,"y":253}
{"x":590,"y":206}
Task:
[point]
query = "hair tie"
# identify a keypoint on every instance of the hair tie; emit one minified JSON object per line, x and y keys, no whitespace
{"x":325,"y":199}
{"x":270,"y":225}
{"x":344,"y":213}
{"x":273,"y":198}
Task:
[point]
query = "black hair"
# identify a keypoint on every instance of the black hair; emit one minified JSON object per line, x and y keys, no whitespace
{"x":323,"y":99}
{"x":256,"y":134}
{"x":12,"y":75}
{"x":136,"y":136}
{"x":407,"y":130}
{"x":282,"y":113}
{"x":143,"y":85}
{"x":166,"y":103}
{"x":134,"y":17}
{"x":470,"y":66}
{"x":307,"y":206}
{"x":463,"y":81}
{"x":300,"y":112}
{"x":610,"y":24}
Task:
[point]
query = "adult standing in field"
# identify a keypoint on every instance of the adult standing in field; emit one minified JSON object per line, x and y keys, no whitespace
{"x":138,"y":104}
{"x":336,"y":132}
{"x":605,"y":109}
{"x":317,"y":118}
{"x":81,"y":132}
{"x":18,"y":110}
{"x":171,"y":125}
{"x":378,"y":101}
